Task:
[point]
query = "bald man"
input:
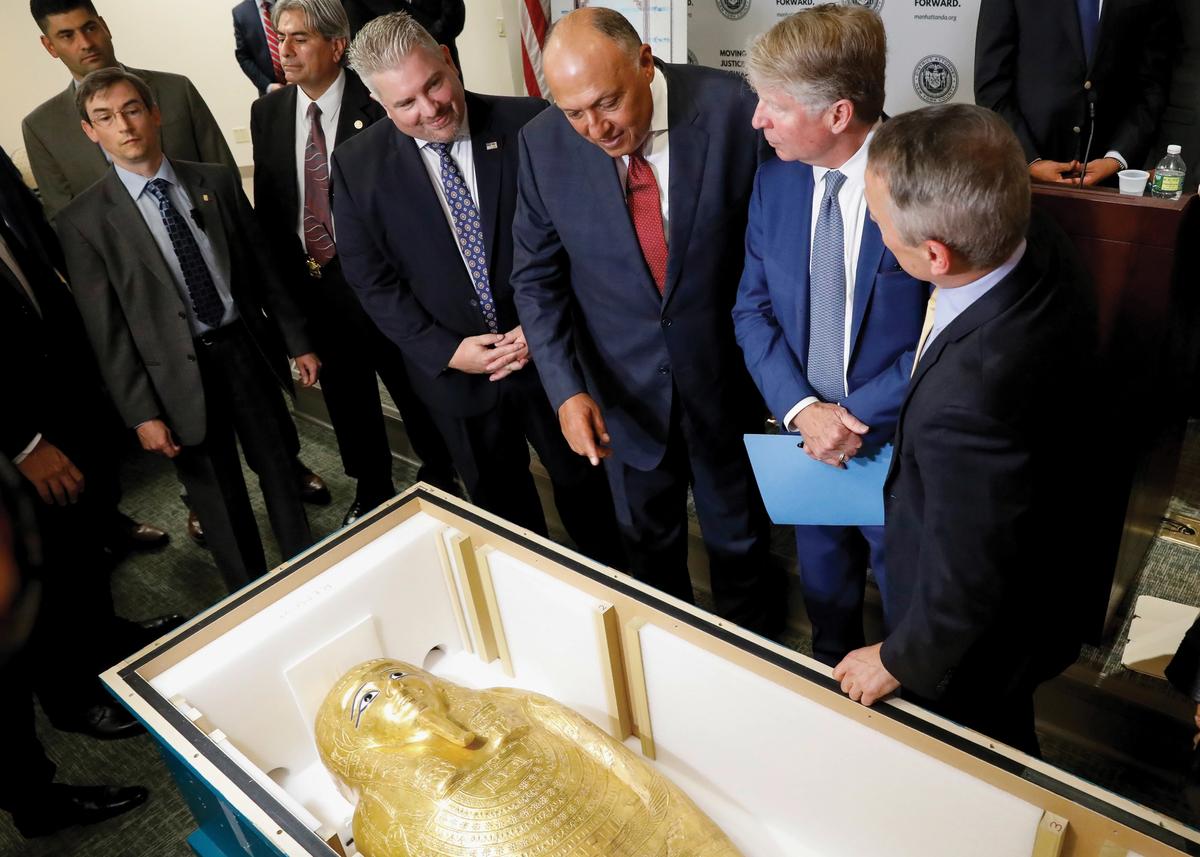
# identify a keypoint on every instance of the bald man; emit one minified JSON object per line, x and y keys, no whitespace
{"x":631,"y":210}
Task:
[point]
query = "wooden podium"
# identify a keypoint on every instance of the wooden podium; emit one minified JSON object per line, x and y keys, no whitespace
{"x":1144,"y":258}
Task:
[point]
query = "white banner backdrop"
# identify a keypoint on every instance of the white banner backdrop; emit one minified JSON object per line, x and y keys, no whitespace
{"x":931,"y":43}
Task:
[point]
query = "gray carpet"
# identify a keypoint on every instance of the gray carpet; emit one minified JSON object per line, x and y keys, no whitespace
{"x":180,"y":578}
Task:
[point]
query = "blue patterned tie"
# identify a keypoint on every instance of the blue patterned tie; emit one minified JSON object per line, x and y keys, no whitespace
{"x":206,"y":302}
{"x":469,"y":229}
{"x":1089,"y":26}
{"x":826,"y":368}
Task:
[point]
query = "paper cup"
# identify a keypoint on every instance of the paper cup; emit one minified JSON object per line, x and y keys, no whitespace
{"x":1132,"y":182}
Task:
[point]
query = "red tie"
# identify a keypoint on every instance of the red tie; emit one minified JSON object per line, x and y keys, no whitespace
{"x":646,"y":212}
{"x":272,"y":41}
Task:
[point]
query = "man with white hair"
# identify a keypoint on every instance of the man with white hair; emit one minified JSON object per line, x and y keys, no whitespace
{"x":985,"y":598}
{"x":295,"y":132}
{"x":826,"y":319}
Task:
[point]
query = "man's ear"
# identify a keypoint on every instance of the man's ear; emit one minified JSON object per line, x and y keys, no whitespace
{"x":49,"y":46}
{"x":940,"y":256}
{"x":90,"y":131}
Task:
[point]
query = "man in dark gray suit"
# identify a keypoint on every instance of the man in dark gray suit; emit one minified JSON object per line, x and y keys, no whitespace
{"x":65,"y":162}
{"x":174,"y":296}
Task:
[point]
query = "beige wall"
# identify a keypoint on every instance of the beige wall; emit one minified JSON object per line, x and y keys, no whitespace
{"x":195,"y":38}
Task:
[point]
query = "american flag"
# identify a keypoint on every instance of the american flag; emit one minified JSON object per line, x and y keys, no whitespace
{"x":535,"y":19}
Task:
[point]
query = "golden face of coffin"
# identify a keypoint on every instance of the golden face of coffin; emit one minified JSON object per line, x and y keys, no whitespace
{"x":441,"y":769}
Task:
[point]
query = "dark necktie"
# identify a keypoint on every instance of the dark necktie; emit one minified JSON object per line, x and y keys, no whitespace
{"x":206,"y":302}
{"x":318,"y":218}
{"x":469,"y":230}
{"x":272,"y":40}
{"x":645,"y":210}
{"x":1089,"y":26}
{"x":826,"y":367}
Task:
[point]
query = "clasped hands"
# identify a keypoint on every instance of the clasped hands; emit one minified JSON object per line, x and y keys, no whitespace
{"x":831,"y":433}
{"x":493,"y":354}
{"x":1068,"y":172}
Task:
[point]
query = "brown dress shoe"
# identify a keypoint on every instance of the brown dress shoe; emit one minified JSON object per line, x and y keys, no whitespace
{"x":195,"y":530}
{"x":312,"y":487}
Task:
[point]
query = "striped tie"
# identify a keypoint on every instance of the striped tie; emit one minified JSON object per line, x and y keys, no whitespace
{"x":318,"y":219}
{"x":272,"y":41}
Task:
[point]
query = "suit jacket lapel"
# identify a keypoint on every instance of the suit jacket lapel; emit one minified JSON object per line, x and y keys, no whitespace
{"x":411,"y":181}
{"x":688,"y":150}
{"x":870,"y":252}
{"x":606,"y":199}
{"x":799,"y":237}
{"x":123,"y":215}
{"x":488,"y":153}
{"x":211,"y":215}
{"x":283,"y":144}
{"x":356,"y":104}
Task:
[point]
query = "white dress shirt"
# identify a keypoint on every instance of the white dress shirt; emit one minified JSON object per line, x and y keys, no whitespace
{"x":951,"y":303}
{"x":464,"y":157}
{"x":656,"y":151}
{"x":852,"y":201}
{"x":330,"y":103}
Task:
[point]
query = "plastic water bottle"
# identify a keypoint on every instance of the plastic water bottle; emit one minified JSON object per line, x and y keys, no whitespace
{"x":1168,"y":175}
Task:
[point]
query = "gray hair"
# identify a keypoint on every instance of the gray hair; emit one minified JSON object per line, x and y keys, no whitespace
{"x":607,"y":22}
{"x":822,"y":55}
{"x":955,"y":174}
{"x":325,"y":17}
{"x":100,"y":80}
{"x":384,"y":43}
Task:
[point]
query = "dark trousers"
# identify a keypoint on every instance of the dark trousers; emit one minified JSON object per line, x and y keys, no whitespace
{"x":833,"y":575}
{"x":239,"y":390}
{"x":352,"y":351}
{"x":1006,"y":717}
{"x":75,"y":637}
{"x":652,"y":512}
{"x":491,"y":452}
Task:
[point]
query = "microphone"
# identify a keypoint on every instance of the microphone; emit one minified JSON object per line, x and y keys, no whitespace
{"x":198,"y":219}
{"x":1087,"y":152}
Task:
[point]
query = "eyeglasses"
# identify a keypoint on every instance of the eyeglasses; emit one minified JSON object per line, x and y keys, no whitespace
{"x":132,"y":113}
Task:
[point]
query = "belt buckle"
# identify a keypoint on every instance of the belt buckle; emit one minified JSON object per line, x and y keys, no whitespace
{"x":314,"y":267}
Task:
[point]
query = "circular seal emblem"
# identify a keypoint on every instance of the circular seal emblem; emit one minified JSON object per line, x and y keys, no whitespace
{"x":935,"y":79}
{"x":875,"y":6}
{"x":734,"y":9}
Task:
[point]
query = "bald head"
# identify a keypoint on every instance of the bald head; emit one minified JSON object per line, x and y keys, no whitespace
{"x":599,"y":73}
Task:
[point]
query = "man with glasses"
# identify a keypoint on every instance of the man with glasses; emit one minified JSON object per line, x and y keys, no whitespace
{"x":173,"y":293}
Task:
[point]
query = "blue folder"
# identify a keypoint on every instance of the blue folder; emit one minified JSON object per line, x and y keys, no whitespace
{"x":800,"y":490}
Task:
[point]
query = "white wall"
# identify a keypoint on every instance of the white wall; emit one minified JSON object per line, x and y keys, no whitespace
{"x":195,"y":38}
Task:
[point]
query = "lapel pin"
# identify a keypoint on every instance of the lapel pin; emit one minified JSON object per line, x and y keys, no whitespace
{"x":358,"y":124}
{"x":204,"y":197}
{"x":492,"y":144}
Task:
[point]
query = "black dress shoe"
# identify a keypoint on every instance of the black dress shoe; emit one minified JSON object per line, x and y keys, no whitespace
{"x":362,"y":507}
{"x":125,"y":535}
{"x":151,"y":629}
{"x":105,"y":720}
{"x":195,"y":530}
{"x":312,"y":487}
{"x":64,"y":806}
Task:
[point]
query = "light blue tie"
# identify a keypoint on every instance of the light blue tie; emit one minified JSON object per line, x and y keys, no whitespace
{"x":827,"y":298}
{"x":469,"y":230}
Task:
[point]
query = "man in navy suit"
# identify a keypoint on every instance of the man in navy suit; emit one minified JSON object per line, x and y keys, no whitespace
{"x":254,"y":37}
{"x":631,"y":209}
{"x":983,"y":591}
{"x":826,"y":318}
{"x":423,"y":205}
